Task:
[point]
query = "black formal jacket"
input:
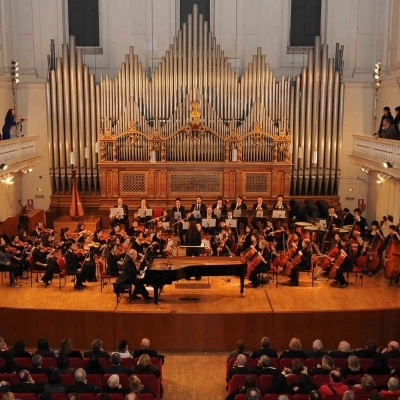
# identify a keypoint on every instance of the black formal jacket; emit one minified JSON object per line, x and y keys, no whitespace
{"x":80,"y":387}
{"x":149,"y":352}
{"x":98,"y":354}
{"x":181,"y":210}
{"x":125,"y":211}
{"x":117,"y":369}
{"x":26,"y":388}
{"x":71,"y":262}
{"x":203,"y":209}
{"x":271,"y":353}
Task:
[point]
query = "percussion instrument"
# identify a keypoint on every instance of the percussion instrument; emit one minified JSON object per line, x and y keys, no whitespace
{"x":299,"y":227}
{"x":311,"y":232}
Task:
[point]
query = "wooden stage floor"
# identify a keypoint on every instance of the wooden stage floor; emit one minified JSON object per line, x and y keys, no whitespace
{"x":193,"y":316}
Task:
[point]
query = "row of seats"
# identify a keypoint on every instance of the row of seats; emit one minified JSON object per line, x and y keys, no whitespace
{"x":82,"y":396}
{"x":307,"y":397}
{"x":265,"y":381}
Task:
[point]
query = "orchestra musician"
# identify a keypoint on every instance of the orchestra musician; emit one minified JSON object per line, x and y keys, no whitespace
{"x":114,"y":261}
{"x":193,"y":238}
{"x":360,"y":221}
{"x":240,"y":205}
{"x":347,"y":264}
{"x":333,"y":221}
{"x":223,"y":246}
{"x":256,"y":221}
{"x":38,"y":231}
{"x":122,"y":216}
{"x":72,"y":266}
{"x":80,"y":232}
{"x":280,"y":205}
{"x":129,"y":275}
{"x":221,"y":210}
{"x":143,"y":206}
{"x":179,"y":208}
{"x":304,"y":264}
{"x":209,"y":230}
{"x":245,"y":240}
{"x":43,"y":262}
{"x":159,"y":245}
{"x":392,"y":235}
{"x":371,"y":235}
{"x":348,"y":217}
{"x":19,"y":255}
{"x":199,"y":206}
{"x":7,"y":265}
{"x":264,"y":265}
{"x":268,"y":231}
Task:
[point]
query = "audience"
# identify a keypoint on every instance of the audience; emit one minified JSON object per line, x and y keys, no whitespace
{"x":265,"y":350}
{"x":19,"y":350}
{"x":317,"y":350}
{"x":123,"y":349}
{"x":368,"y":352}
{"x":239,"y":367}
{"x":254,"y":394}
{"x":63,"y":365}
{"x":393,"y":388}
{"x":250,"y":382}
{"x":343,"y":350}
{"x":367,"y":385}
{"x":9,"y":367}
{"x":93,"y":366}
{"x":67,"y":349}
{"x":239,"y":350}
{"x":335,"y":385}
{"x":349,"y":395}
{"x":294,"y":350}
{"x":136,"y":386}
{"x":325,"y":368}
{"x":26,"y":384}
{"x":97,"y":350}
{"x":43,"y":348}
{"x":116,"y":367}
{"x":263,"y":366}
{"x":279,"y":384}
{"x":380,"y":365}
{"x":392,"y":350}
{"x":114,"y":385}
{"x":81,"y":385}
{"x":144,"y":366}
{"x":145,"y":349}
{"x":54,"y":385}
{"x":353,"y":368}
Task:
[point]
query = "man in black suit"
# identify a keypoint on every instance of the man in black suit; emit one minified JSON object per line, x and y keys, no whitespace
{"x":265,"y":350}
{"x":239,"y":205}
{"x":199,"y":206}
{"x":239,"y":367}
{"x":37,"y":365}
{"x":257,"y":221}
{"x":392,"y":351}
{"x":81,"y":385}
{"x":145,"y":349}
{"x":26,"y":384}
{"x":72,"y":267}
{"x":97,"y":350}
{"x":280,"y":205}
{"x":209,"y":230}
{"x":348,"y":217}
{"x":360,"y":222}
{"x":116,"y":367}
{"x":368,"y":352}
{"x":178,"y":207}
{"x":263,"y":366}
{"x":129,"y":276}
{"x":122,"y":216}
{"x":38,"y":231}
{"x":221,"y":209}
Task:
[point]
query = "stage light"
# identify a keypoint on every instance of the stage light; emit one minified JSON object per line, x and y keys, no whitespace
{"x":387,"y":164}
{"x":3,"y":166}
{"x":14,"y":72}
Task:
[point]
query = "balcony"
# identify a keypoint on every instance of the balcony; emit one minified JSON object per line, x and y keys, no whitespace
{"x":18,"y":154}
{"x":380,"y":155}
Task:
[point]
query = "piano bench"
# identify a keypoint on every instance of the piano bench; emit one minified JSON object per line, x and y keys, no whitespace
{"x":121,"y":290}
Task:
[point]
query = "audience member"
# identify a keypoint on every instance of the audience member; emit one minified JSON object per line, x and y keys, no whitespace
{"x":26,"y":384}
{"x":73,"y":396}
{"x":249,"y":382}
{"x":19,"y":350}
{"x":343,"y":350}
{"x":353,"y":368}
{"x":67,"y":349}
{"x":144,"y":366}
{"x":368,"y":352}
{"x":304,"y":386}
{"x":253,"y":394}
{"x":393,"y":386}
{"x":335,"y":386}
{"x":131,"y":396}
{"x":265,"y":350}
{"x":380,"y":365}
{"x":101,"y":396}
{"x":136,"y":386}
{"x":97,"y":350}
{"x":239,"y":350}
{"x":145,"y":349}
{"x":317,"y":350}
{"x":81,"y":385}
{"x":3,"y":347}
{"x":123,"y":349}
{"x":63,"y":365}
{"x":294,"y":350}
{"x":239,"y":367}
{"x":297,"y":368}
{"x":325,"y":368}
{"x":116,"y":367}
{"x":114,"y":385}
{"x":278,"y":384}
{"x":37,"y":368}
{"x":263,"y":366}
{"x":7,"y":395}
{"x":349,"y":395}
{"x":43,"y":348}
{"x":4,"y":387}
{"x":93,"y":366}
{"x":392,"y":350}
{"x":9,"y":366}
{"x":54,"y":385}
{"x":367,"y":385}
{"x":315,"y":395}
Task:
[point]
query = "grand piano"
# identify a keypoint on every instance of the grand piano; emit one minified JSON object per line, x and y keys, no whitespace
{"x":164,"y":271}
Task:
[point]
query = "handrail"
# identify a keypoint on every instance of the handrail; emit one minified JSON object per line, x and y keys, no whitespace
{"x":15,"y":150}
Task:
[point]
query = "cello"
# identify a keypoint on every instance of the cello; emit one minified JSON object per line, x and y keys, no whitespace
{"x":337,"y":262}
{"x":76,"y":210}
{"x":392,"y":262}
{"x":331,"y":254}
{"x":296,"y":261}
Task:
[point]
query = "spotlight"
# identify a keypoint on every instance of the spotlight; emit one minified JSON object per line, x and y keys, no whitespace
{"x":387,"y":164}
{"x":379,"y":182}
{"x":3,"y":166}
{"x":14,"y":72}
{"x":14,"y":64}
{"x":365,"y":169}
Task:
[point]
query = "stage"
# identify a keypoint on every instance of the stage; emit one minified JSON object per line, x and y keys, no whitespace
{"x":206,"y":315}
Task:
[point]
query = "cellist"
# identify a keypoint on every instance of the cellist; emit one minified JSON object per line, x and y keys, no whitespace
{"x":264,"y":265}
{"x":305,"y":253}
{"x":347,"y":263}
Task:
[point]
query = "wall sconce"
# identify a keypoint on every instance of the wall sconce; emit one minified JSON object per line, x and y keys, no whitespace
{"x":25,"y":171}
{"x":3,"y":167}
{"x":314,"y":157}
{"x":234,"y":154}
{"x":7,"y":179}
{"x":153,"y":157}
{"x":387,"y":164}
{"x":301,"y":152}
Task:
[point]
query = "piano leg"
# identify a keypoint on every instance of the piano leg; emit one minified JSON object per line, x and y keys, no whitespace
{"x":242,"y":275}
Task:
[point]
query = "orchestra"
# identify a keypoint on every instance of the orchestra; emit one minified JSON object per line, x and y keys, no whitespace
{"x":270,"y":245}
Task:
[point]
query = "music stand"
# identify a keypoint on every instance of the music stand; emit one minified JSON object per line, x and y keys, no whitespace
{"x":149,"y":212}
{"x":237,"y":213}
{"x":142,"y":212}
{"x":217,"y":213}
{"x":322,"y":223}
{"x":232,"y":223}
{"x":177,"y":215}
{"x":196,"y":214}
{"x":115,"y":212}
{"x":185,"y":225}
{"x":279,"y":214}
{"x":261,"y":213}
{"x":208,"y":223}
{"x":166,"y":225}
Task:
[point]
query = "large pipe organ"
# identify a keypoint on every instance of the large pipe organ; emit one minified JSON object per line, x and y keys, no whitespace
{"x":195,"y":125}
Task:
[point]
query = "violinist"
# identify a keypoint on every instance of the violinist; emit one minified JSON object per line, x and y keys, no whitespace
{"x":264,"y":264}
{"x":305,"y":253}
{"x":65,"y":236}
{"x":159,"y":245}
{"x":122,"y":216}
{"x":245,"y":240}
{"x":100,"y":239}
{"x":257,"y":221}
{"x":73,"y":268}
{"x":134,"y":229}
{"x":360,"y":222}
{"x":114,"y":262}
{"x":178,"y":208}
{"x":347,"y":264}
{"x":19,"y":256}
{"x":38,"y":231}
{"x":219,"y":209}
{"x":223,"y":246}
{"x":7,"y":265}
{"x":140,"y":244}
{"x":81,"y":232}
{"x":43,"y":262}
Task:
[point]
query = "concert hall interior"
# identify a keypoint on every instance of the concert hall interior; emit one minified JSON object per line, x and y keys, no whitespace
{"x":238,"y":99}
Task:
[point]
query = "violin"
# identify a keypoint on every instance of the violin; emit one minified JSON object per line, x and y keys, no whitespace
{"x":10,"y":249}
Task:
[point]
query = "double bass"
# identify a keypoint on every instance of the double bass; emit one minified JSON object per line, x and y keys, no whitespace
{"x":392,"y":261}
{"x":374,"y":254}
